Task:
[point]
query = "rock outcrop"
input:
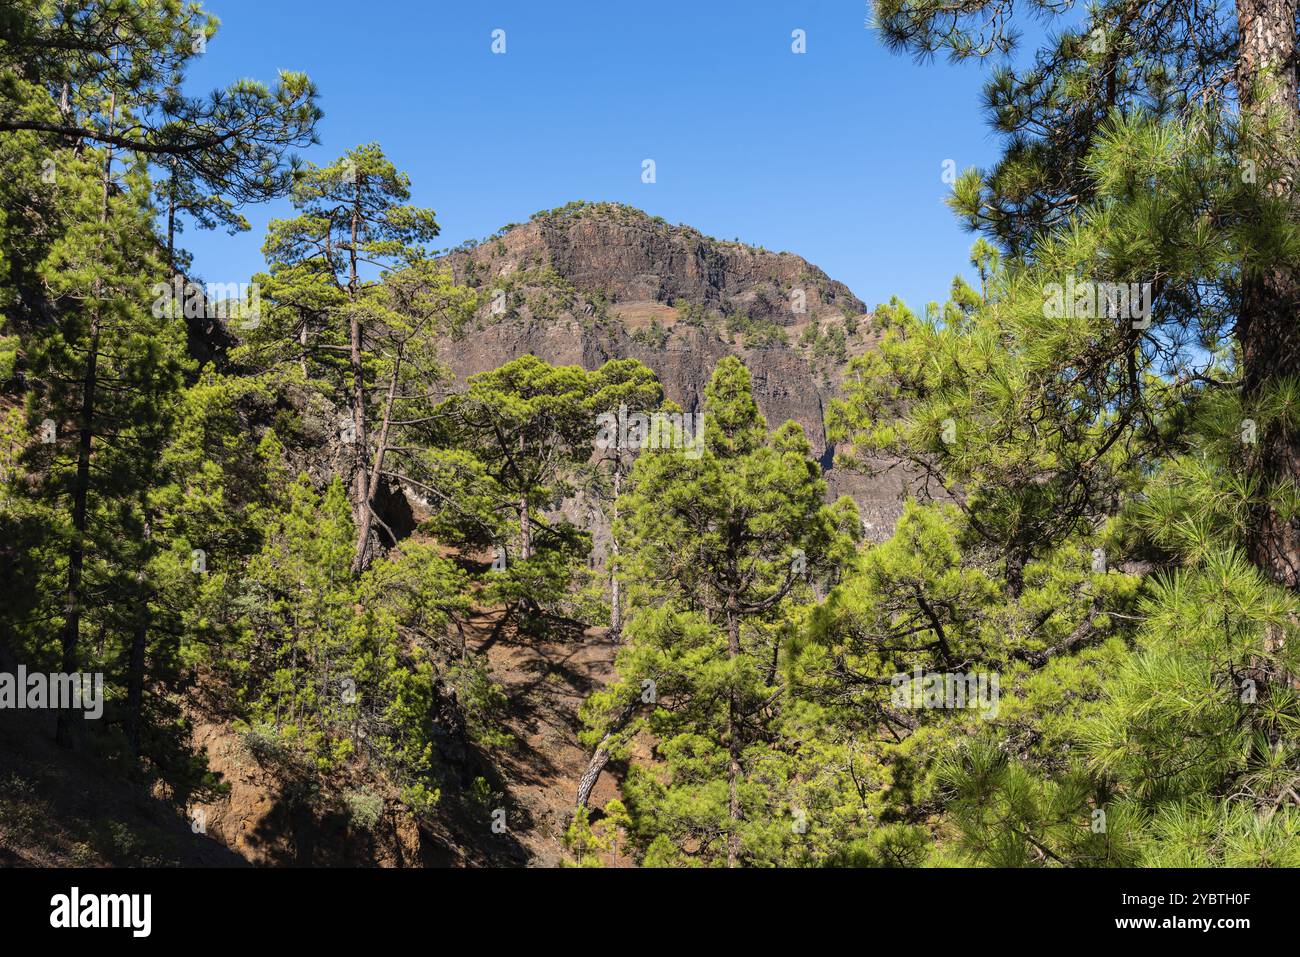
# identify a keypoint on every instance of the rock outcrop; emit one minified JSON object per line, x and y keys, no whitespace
{"x":587,"y":283}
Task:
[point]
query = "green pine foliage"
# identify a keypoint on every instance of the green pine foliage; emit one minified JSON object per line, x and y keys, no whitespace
{"x":1077,"y":648}
{"x":721,"y":549}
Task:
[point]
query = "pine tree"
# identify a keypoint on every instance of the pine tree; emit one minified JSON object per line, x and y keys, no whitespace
{"x":1151,"y":147}
{"x":1125,"y":162}
{"x":718,"y":545}
{"x":405,"y":321}
{"x":531,"y":430}
{"x":622,"y":387}
{"x":234,"y":142}
{"x":107,"y":375}
{"x":353,"y":221}
{"x":93,"y":86}
{"x":1045,"y":465}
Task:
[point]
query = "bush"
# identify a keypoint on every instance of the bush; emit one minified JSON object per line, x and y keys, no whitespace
{"x":364,"y":807}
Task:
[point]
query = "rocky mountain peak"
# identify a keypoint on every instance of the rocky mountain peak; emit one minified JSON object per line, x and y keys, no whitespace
{"x":589,"y":282}
{"x":625,"y":256}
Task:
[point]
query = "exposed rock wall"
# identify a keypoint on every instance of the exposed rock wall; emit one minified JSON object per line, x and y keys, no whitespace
{"x":593,"y":282}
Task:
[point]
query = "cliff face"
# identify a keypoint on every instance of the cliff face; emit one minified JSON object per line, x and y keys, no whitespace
{"x":634,"y":258}
{"x":591,"y":282}
{"x":588,"y":283}
{"x":684,"y":362}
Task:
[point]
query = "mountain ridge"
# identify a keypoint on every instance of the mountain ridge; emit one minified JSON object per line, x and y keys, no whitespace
{"x":588,"y":282}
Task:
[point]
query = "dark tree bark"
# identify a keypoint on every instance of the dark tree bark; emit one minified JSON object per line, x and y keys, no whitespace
{"x":600,"y":757}
{"x":77,"y":544}
{"x":615,"y":586}
{"x":357,"y":393}
{"x":1268,"y":327}
{"x":733,"y":740}
{"x":81,"y":481}
{"x":134,"y":718}
{"x":362,"y":555}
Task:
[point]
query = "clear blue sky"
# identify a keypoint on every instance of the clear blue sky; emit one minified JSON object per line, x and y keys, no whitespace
{"x":834,"y":154}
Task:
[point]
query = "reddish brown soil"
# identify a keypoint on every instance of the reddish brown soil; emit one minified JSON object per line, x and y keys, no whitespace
{"x":545,"y":680}
{"x":63,"y":808}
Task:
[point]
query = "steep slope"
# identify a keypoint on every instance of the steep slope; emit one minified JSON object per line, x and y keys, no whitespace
{"x":545,"y":678}
{"x":579,"y":285}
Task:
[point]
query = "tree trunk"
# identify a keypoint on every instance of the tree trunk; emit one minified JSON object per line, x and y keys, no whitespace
{"x":77,"y":545}
{"x":361,"y":557}
{"x":615,"y":586}
{"x":525,"y":523}
{"x":171,"y":225}
{"x":1268,"y":327}
{"x":589,"y":777}
{"x":135,"y":664}
{"x":357,"y":400}
{"x":525,"y":530}
{"x":81,"y":482}
{"x":357,"y":395}
{"x":135,"y":680}
{"x":733,"y":742}
{"x":600,"y":757}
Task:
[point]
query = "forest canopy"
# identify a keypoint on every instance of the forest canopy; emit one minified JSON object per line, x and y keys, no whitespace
{"x":279,"y":510}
